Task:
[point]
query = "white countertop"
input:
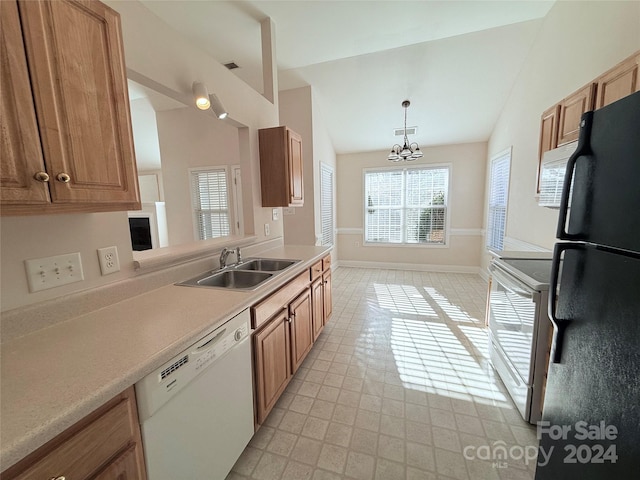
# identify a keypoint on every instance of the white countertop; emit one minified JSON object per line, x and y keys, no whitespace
{"x":54,"y":377}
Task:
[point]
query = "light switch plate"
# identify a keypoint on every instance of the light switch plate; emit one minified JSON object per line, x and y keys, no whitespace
{"x":50,"y":272}
{"x":267,"y":230}
{"x":275,"y":214}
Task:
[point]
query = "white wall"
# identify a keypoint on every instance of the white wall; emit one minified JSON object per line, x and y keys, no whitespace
{"x":295,"y":113}
{"x":577,"y":42}
{"x":300,"y":111}
{"x":467,"y":179}
{"x":188,"y":139}
{"x":152,"y":49}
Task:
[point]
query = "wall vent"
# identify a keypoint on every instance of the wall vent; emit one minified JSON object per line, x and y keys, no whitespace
{"x":231,"y":65}
{"x":410,"y":131}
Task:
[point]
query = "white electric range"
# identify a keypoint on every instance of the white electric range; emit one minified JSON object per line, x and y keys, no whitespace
{"x":520,"y":329}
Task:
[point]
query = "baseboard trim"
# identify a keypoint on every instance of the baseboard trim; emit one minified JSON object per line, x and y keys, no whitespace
{"x":410,"y":266}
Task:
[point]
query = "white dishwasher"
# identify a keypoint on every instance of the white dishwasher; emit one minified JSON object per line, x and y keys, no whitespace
{"x":196,"y":411}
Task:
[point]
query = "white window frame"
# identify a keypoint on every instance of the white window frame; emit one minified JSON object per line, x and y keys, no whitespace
{"x":327,"y":237}
{"x":195,"y":208}
{"x":404,"y":244}
{"x":492,"y":205}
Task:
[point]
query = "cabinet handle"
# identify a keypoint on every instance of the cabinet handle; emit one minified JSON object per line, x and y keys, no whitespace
{"x":63,"y":177}
{"x":289,"y":319}
{"x":61,"y":477}
{"x":41,"y":176}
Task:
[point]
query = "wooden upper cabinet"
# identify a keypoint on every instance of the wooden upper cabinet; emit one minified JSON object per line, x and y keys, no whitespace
{"x":21,"y":151}
{"x":548,"y":135}
{"x":620,"y":81}
{"x":76,"y":78}
{"x":571,"y":110}
{"x":281,"y":169}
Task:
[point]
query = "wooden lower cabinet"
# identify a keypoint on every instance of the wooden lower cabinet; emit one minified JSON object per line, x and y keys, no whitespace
{"x":272,"y":347}
{"x":328,"y":300}
{"x":287,"y":323}
{"x":301,"y":321}
{"x":317,"y":298}
{"x":105,"y":445}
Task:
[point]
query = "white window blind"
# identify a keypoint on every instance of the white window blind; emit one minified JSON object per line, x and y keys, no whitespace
{"x":210,"y":203}
{"x":406,"y":205}
{"x":326,"y":204}
{"x":498,"y":197}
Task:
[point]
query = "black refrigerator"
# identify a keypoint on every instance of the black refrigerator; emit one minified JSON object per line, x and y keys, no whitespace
{"x":590,"y":427}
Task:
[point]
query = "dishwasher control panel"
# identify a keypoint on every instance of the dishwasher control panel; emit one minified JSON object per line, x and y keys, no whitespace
{"x":158,"y":387}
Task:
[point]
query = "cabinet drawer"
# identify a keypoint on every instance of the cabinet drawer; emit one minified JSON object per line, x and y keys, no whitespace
{"x":316,"y":270}
{"x":326,"y":262}
{"x":90,"y":448}
{"x":267,"y":308}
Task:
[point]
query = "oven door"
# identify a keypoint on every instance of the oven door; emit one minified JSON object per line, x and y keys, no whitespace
{"x":513,"y":309}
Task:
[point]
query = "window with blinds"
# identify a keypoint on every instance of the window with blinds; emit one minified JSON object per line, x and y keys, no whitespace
{"x":326,"y":203}
{"x":406,"y":205}
{"x":498,"y":197}
{"x":210,"y":201}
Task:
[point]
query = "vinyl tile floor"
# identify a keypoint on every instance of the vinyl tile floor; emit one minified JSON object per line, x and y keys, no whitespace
{"x":397,"y":386}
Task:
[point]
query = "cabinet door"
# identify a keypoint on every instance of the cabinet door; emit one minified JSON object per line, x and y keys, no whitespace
{"x":328,"y":303}
{"x":21,"y":152}
{"x":76,"y":61}
{"x":272,"y":363}
{"x":317,"y":298}
{"x":571,"y":111}
{"x":125,"y":467}
{"x":296,"y":188}
{"x":548,"y":135}
{"x":301,"y":328}
{"x":618,"y":82}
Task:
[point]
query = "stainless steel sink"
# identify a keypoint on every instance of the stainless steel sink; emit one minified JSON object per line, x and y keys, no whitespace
{"x":246,"y":276}
{"x":265,"y":264}
{"x":232,"y":279}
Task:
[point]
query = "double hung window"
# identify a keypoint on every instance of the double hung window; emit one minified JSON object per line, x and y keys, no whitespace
{"x":210,"y":200}
{"x":406,"y":205}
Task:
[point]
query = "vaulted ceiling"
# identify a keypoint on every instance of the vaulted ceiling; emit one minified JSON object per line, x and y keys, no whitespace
{"x":456,"y":61}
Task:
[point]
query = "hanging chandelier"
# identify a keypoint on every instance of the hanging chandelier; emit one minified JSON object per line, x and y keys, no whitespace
{"x":409,"y":151}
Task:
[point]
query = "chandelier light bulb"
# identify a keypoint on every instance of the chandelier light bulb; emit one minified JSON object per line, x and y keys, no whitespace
{"x":408,"y":151}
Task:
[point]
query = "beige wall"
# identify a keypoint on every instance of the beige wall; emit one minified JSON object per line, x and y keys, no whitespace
{"x":577,"y":42}
{"x":155,"y":50}
{"x":189,"y":139}
{"x":467,"y":180}
{"x":295,"y":113}
{"x":299,"y":110}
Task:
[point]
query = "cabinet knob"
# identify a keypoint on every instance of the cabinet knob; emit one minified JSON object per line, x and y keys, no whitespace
{"x":63,"y":177}
{"x":61,"y":477}
{"x":41,"y":176}
{"x":290,"y":319}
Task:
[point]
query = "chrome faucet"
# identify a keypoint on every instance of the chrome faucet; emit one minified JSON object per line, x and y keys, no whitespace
{"x":225,"y":253}
{"x":223,"y":257}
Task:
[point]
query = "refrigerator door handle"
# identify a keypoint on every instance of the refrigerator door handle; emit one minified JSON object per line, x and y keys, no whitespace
{"x":559,"y":325}
{"x":583,"y":148}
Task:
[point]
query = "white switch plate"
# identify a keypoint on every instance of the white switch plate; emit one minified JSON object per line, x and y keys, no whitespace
{"x":109,"y":261}
{"x":267,"y":230}
{"x":288,"y":211}
{"x":275,"y":214}
{"x":50,"y":272}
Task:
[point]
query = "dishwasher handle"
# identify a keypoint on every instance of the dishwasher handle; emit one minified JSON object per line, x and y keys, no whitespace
{"x":214,"y":339}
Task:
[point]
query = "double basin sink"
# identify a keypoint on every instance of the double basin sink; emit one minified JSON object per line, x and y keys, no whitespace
{"x":247,"y":275}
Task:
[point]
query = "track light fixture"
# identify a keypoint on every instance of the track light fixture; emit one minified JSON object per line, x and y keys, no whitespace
{"x":217,"y":107}
{"x":201,"y":96}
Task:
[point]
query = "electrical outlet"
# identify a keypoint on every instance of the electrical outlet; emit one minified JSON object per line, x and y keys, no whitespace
{"x":109,"y":262}
{"x":275,"y":214}
{"x":267,"y":230}
{"x":50,"y":272}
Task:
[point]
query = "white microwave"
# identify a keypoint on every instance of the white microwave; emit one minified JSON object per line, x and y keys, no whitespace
{"x":552,"y":171}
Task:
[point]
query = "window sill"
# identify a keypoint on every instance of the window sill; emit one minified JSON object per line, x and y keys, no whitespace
{"x":405,"y":245}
